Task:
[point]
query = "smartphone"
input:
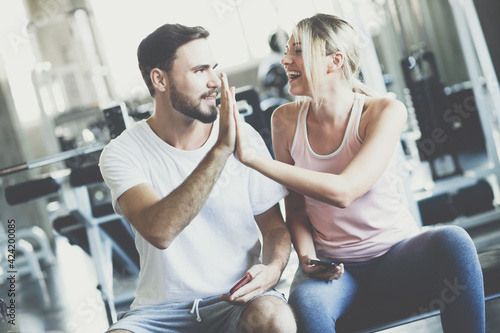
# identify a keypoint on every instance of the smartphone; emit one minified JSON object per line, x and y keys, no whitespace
{"x":241,"y":283}
{"x":321,"y":262}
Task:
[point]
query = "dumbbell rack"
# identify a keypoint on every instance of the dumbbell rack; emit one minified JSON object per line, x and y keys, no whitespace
{"x":487,"y":95}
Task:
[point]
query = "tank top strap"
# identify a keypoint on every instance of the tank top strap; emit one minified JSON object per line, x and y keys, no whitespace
{"x":301,"y":118}
{"x":357,"y":111}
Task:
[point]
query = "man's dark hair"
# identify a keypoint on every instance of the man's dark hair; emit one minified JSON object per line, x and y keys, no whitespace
{"x":159,"y":49}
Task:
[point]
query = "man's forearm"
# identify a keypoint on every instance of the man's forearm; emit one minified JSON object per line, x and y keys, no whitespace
{"x":276,"y":248}
{"x":174,"y":212}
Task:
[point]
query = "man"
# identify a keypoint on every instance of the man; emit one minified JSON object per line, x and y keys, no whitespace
{"x":194,"y":208}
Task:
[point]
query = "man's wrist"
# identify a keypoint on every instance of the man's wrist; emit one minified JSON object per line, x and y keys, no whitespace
{"x":277,"y":268}
{"x":222,"y":150}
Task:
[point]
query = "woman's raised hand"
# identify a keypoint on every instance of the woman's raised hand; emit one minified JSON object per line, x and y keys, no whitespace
{"x":232,"y":133}
{"x":244,"y":152}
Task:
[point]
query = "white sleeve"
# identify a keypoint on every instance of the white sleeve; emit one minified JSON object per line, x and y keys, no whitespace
{"x":263,"y":191}
{"x":120,"y":171}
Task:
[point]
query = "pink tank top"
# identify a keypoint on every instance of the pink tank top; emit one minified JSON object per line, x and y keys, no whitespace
{"x":370,"y":225}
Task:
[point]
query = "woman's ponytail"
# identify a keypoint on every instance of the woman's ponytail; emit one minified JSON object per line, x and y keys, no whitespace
{"x":360,"y":87}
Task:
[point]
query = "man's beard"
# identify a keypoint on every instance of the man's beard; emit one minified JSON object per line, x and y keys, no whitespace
{"x":191,"y":107}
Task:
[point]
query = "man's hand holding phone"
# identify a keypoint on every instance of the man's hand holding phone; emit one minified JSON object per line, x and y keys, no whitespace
{"x":240,"y":283}
{"x":230,"y":297}
{"x":259,"y":279}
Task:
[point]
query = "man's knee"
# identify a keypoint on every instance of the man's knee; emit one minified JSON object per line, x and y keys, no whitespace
{"x":268,"y":314}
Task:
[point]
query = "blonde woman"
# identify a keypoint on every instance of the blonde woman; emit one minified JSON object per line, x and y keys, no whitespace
{"x":336,"y":152}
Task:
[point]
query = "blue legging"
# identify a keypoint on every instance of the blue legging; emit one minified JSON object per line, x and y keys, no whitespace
{"x":442,"y":260}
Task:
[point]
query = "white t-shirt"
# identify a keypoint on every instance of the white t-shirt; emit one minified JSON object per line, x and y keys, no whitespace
{"x":220,"y":244}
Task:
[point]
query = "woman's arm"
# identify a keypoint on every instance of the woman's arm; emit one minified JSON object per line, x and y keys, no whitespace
{"x":299,"y":226}
{"x":381,"y":129}
{"x":302,"y":239}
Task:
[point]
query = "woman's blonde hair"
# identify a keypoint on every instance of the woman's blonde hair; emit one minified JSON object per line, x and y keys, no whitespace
{"x":322,"y":35}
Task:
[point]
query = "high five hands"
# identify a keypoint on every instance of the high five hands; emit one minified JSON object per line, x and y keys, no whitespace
{"x":232,"y":129}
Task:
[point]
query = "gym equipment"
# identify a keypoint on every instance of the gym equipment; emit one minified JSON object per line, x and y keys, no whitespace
{"x":430,"y":103}
{"x":273,"y":80}
{"x":466,"y":201}
{"x":474,"y":199}
{"x":28,"y":165}
{"x":30,"y":190}
{"x":91,"y":222}
{"x":437,"y":209}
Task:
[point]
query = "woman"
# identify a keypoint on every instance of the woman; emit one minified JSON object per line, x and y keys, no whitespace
{"x":336,"y":152}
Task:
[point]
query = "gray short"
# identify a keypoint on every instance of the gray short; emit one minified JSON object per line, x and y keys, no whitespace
{"x":213,"y":316}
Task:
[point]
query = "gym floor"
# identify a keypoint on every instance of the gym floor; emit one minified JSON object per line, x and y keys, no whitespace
{"x":75,"y":304}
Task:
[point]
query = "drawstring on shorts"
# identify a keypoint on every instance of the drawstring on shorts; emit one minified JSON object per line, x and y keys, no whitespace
{"x":196,"y":309}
